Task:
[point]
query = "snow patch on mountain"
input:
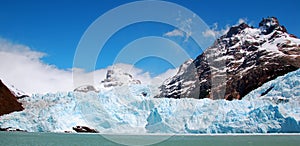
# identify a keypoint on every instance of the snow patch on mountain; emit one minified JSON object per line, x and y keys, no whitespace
{"x":118,"y":77}
{"x":122,"y":105}
{"x":237,"y":63}
{"x":17,"y":92}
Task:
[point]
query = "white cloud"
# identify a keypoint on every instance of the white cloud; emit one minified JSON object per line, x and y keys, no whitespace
{"x":216,"y":32}
{"x":162,"y":77}
{"x":22,"y":67}
{"x":184,"y":28}
{"x":242,"y":20}
{"x":175,"y":32}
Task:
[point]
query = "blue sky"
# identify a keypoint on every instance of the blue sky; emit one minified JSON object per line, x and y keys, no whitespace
{"x":55,"y":27}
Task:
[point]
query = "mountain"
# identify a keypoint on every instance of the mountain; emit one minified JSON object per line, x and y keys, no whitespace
{"x":117,"y":77}
{"x":114,"y":77}
{"x":237,"y":63}
{"x":8,"y":101}
{"x":122,"y":105}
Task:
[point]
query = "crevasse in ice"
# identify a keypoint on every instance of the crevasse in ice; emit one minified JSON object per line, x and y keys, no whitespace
{"x":274,"y":107}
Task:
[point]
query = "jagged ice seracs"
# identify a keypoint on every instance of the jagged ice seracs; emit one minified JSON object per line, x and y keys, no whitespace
{"x":131,"y":109}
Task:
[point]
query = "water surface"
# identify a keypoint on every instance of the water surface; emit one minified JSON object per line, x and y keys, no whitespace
{"x":45,"y":139}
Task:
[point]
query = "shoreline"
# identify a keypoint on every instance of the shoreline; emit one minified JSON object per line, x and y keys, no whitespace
{"x":162,"y":134}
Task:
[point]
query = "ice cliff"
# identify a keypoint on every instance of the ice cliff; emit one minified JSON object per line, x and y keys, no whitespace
{"x":274,"y":107}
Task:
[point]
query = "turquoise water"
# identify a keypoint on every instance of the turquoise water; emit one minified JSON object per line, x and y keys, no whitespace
{"x":45,"y":139}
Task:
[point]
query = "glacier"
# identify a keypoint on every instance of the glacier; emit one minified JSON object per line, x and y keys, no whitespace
{"x":131,"y":109}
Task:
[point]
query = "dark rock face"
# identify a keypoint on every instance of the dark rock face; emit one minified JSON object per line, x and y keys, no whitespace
{"x":84,"y":129}
{"x":22,"y":96}
{"x":12,"y":129}
{"x":8,"y":102}
{"x":237,"y":63}
{"x":236,"y":29}
{"x":268,"y":25}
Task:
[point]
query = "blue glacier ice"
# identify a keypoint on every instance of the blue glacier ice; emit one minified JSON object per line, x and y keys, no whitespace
{"x":272,"y":108}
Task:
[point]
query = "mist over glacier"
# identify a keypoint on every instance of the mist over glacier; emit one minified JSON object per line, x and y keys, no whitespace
{"x":272,"y":108}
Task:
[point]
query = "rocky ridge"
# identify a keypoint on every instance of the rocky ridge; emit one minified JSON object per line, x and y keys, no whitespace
{"x":8,"y":101}
{"x":114,"y":77}
{"x":237,"y":63}
{"x":117,"y":77}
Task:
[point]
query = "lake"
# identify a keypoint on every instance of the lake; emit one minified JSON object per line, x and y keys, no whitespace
{"x":41,"y":139}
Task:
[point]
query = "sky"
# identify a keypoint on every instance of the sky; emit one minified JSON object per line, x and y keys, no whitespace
{"x":38,"y":39}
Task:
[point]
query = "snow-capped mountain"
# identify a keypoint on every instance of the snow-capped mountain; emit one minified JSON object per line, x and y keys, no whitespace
{"x":114,"y":77}
{"x":240,"y":61}
{"x":237,"y":63}
{"x":117,"y":77}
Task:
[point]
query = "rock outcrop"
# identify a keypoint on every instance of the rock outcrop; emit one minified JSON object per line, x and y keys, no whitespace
{"x":117,"y":77}
{"x":84,"y":129}
{"x":12,"y":129}
{"x":8,"y":101}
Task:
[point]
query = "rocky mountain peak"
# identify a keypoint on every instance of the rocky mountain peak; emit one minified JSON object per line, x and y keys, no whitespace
{"x":268,"y":22}
{"x":236,"y":29}
{"x":117,"y":77}
{"x":268,"y":25}
{"x":114,"y":77}
{"x":237,"y":63}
